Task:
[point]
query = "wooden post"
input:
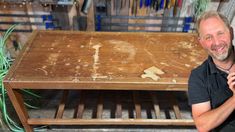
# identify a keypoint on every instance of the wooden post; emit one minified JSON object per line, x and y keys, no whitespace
{"x":18,"y":104}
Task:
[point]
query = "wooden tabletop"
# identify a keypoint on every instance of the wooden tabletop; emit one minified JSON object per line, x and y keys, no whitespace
{"x":105,"y":60}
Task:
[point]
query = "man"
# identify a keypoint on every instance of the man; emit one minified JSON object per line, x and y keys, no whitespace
{"x":212,"y":84}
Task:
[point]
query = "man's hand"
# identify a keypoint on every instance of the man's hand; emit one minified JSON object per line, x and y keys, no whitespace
{"x":231,"y":81}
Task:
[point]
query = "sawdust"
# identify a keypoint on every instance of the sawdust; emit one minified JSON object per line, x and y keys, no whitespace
{"x":52,"y":59}
{"x":198,"y":62}
{"x":194,"y":53}
{"x":95,"y":66}
{"x":98,"y":76}
{"x":43,"y":70}
{"x":150,"y":55}
{"x":165,"y":64}
{"x":174,"y":80}
{"x":96,"y":55}
{"x":76,"y":79}
{"x":192,"y":59}
{"x":175,"y":75}
{"x":187,"y":65}
{"x":86,"y":64}
{"x":185,"y":45}
{"x":120,"y":69}
{"x":77,"y":67}
{"x":124,"y":47}
{"x":54,"y":44}
{"x":183,"y":55}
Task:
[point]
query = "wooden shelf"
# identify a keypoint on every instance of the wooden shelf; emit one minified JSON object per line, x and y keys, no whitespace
{"x":127,"y":108}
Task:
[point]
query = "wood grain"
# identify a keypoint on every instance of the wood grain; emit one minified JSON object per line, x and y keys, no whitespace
{"x":105,"y":60}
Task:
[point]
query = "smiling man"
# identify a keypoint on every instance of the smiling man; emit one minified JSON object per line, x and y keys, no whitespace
{"x":212,"y":84}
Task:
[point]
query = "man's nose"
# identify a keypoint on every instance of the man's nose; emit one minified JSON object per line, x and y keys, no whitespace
{"x":215,"y":40}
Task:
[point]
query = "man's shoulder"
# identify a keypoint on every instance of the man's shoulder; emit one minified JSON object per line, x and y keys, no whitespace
{"x":197,"y":84}
{"x":201,"y":69}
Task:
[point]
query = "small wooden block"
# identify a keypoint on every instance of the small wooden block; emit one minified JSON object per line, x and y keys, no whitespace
{"x":154,"y":70}
{"x":150,"y":75}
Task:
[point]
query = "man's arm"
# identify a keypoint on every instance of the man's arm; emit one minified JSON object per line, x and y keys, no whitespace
{"x":206,"y":118}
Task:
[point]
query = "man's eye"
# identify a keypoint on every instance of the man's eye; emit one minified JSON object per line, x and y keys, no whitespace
{"x":207,"y":38}
{"x":220,"y":33}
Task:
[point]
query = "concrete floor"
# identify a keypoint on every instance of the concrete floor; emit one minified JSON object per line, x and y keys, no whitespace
{"x":50,"y":99}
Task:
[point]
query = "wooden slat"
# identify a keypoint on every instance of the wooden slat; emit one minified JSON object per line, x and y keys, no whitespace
{"x":175,"y":106}
{"x":155,"y":104}
{"x":100,"y":106}
{"x":29,"y":9}
{"x":90,"y":18}
{"x":60,"y":110}
{"x":137,"y":104}
{"x":118,"y":113}
{"x":81,"y":105}
{"x":164,"y":122}
{"x":177,"y":111}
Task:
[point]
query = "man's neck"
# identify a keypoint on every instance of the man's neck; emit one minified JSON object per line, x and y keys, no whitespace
{"x":227,"y":64}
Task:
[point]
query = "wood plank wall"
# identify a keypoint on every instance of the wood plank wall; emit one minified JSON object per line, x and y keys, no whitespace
{"x":19,"y":37}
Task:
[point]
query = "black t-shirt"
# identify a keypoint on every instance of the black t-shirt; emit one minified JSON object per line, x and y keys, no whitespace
{"x":208,"y":83}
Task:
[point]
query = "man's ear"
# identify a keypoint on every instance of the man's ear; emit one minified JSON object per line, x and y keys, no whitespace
{"x":199,"y":39}
{"x":231,"y":33}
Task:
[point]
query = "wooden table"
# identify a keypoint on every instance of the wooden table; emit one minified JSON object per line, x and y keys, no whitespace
{"x":102,"y":61}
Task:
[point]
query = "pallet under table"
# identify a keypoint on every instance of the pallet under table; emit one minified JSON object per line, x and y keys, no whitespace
{"x":77,"y":61}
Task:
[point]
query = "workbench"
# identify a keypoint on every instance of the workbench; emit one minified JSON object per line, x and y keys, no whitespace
{"x":73,"y":60}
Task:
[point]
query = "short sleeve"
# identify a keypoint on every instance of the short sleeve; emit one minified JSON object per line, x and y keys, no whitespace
{"x":197,"y":88}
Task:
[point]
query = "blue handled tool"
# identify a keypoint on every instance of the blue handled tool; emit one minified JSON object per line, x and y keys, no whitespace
{"x":141,"y":3}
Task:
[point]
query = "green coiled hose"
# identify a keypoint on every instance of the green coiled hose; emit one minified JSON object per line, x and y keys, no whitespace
{"x":5,"y":63}
{"x":200,"y":6}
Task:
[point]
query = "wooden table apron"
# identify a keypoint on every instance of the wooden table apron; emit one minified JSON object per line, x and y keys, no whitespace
{"x":101,"y":61}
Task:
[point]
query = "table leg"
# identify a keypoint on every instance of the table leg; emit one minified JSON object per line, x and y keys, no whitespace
{"x":18,"y":104}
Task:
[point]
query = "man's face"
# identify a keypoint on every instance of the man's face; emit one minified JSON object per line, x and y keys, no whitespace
{"x":215,"y":37}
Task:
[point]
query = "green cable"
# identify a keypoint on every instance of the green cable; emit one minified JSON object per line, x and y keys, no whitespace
{"x":5,"y":63}
{"x":11,"y":124}
{"x":31,"y":93}
{"x":31,"y":106}
{"x":200,"y":6}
